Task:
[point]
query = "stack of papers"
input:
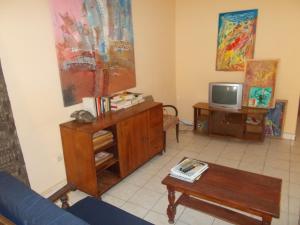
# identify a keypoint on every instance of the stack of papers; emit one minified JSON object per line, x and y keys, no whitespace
{"x":189,"y":170}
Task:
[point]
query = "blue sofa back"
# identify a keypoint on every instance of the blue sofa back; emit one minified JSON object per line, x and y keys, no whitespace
{"x":23,"y":206}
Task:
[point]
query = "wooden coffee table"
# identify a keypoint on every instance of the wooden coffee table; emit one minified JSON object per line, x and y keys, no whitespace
{"x":222,"y":187}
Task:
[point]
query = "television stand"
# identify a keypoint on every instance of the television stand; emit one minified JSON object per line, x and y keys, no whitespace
{"x":246,"y":123}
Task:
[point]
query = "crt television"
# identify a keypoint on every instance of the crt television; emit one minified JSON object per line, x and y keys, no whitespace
{"x":225,"y":95}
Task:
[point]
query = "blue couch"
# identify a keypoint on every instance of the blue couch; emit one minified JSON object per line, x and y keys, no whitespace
{"x":23,"y":206}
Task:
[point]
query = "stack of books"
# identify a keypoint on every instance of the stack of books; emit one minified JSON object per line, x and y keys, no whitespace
{"x":96,"y":105}
{"x":102,"y":157}
{"x":125,"y":100}
{"x":189,"y":170}
{"x":102,"y":138}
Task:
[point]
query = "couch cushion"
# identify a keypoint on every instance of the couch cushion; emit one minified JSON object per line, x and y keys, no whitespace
{"x":97,"y":212}
{"x":25,"y":207}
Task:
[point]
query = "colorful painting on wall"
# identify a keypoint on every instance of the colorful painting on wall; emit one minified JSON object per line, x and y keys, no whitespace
{"x":275,"y":119}
{"x":94,"y":44}
{"x":260,"y":74}
{"x":259,"y":97}
{"x":236,"y":39}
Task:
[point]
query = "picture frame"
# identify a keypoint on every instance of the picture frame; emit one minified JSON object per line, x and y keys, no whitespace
{"x":275,"y":119}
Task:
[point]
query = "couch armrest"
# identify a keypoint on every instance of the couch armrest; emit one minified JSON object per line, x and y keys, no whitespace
{"x":61,"y":195}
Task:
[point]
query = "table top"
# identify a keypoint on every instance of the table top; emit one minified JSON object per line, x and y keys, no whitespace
{"x":245,"y":110}
{"x":249,"y":192}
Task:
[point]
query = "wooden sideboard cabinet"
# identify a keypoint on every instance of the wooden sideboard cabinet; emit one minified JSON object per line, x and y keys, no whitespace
{"x":137,"y":137}
{"x":230,"y":122}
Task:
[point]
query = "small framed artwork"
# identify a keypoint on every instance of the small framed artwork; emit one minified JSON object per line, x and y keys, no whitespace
{"x":275,"y":118}
{"x":260,"y":97}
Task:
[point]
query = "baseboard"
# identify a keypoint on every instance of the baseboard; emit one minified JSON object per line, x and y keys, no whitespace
{"x":288,"y":136}
{"x":186,"y":122}
{"x":54,"y":188}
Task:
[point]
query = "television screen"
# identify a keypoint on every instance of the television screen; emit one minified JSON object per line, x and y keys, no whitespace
{"x":224,"y":95}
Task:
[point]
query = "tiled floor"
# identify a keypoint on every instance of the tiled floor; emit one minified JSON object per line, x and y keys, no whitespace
{"x":143,"y":195}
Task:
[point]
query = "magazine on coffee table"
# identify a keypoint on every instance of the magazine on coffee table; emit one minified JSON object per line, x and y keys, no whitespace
{"x":189,"y":170}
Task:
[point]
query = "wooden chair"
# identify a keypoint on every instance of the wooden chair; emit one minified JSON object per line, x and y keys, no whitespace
{"x":170,"y":119}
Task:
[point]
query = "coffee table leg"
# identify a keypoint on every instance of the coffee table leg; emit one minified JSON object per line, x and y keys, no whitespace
{"x":171,"y":211}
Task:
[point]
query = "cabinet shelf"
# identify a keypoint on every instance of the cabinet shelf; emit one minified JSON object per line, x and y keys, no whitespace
{"x":104,"y":147}
{"x":106,"y":180}
{"x":104,"y":165}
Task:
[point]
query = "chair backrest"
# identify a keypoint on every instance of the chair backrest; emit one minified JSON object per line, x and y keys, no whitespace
{"x":23,"y":206}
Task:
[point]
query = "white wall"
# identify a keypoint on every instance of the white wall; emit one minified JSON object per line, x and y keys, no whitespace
{"x":28,"y":56}
{"x":277,"y":36}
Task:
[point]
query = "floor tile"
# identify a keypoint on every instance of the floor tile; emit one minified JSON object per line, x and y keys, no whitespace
{"x":180,"y":223}
{"x":251,"y":167}
{"x":228,"y":162}
{"x":154,"y":184}
{"x":157,"y":218}
{"x":278,"y":163}
{"x":295,"y":167}
{"x":209,"y":156}
{"x":278,"y":155}
{"x":123,"y":190}
{"x":134,"y":209}
{"x":295,"y":149}
{"x":256,"y":150}
{"x":284,"y":204}
{"x":162,"y":204}
{"x":279,"y":173}
{"x":295,"y":177}
{"x":171,"y":151}
{"x":139,"y":178}
{"x":192,"y":217}
{"x":295,"y":157}
{"x":253,"y":159}
{"x":112,"y":200}
{"x":283,"y":220}
{"x":194,"y":148}
{"x":221,"y":222}
{"x":285,"y":187}
{"x":185,"y":153}
{"x":232,"y":154}
{"x":145,"y":198}
{"x":294,"y":220}
{"x":75,"y":196}
{"x":294,"y":205}
{"x":294,"y":190}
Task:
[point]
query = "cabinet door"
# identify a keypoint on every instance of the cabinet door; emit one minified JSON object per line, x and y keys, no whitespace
{"x":235,"y":124}
{"x":132,"y":142}
{"x":155,"y":131}
{"x":218,"y":123}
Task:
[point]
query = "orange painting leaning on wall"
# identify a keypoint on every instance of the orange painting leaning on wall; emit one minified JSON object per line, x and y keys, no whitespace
{"x":262,"y":74}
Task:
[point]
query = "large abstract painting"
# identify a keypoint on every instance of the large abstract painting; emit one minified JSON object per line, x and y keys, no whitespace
{"x":94,"y":44}
{"x":236,"y":39}
{"x":259,"y":85}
